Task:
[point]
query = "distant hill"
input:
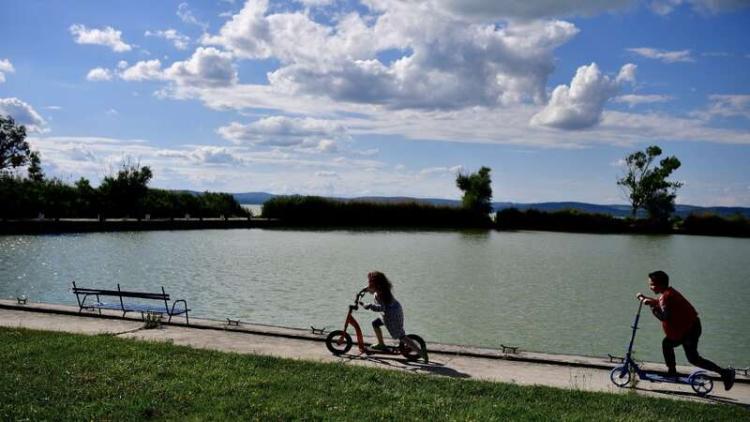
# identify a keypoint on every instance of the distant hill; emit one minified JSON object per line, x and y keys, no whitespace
{"x":617,"y":210}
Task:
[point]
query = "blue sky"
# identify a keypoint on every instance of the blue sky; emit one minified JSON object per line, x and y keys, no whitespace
{"x":384,"y":97}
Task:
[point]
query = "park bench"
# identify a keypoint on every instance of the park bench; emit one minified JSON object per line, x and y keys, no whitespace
{"x":125,"y":306}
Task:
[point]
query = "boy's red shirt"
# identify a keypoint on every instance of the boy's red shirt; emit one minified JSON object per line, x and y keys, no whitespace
{"x":681,"y":313}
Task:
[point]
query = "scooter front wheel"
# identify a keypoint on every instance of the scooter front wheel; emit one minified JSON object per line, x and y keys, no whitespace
{"x":701,"y":383}
{"x":409,"y":354}
{"x":338,"y":342}
{"x":620,"y":376}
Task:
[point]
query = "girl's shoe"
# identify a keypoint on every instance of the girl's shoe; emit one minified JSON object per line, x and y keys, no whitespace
{"x":728,"y":378}
{"x":379,"y":347}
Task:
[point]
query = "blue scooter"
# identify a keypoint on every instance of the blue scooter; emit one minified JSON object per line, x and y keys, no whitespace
{"x":622,"y":375}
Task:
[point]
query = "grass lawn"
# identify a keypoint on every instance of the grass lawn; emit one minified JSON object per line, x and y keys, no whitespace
{"x":55,"y":376}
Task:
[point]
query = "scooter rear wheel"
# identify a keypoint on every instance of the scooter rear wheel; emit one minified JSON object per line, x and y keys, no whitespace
{"x":338,"y":342}
{"x":409,"y":354}
{"x":620,"y":376}
{"x":701,"y":383}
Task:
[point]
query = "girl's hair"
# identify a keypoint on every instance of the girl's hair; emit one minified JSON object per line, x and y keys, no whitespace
{"x":382,"y":286}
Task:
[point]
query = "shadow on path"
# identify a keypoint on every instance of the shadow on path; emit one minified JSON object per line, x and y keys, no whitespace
{"x":435,"y":368}
{"x":689,"y":394}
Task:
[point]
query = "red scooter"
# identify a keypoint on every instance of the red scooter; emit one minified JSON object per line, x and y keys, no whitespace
{"x":339,"y":342}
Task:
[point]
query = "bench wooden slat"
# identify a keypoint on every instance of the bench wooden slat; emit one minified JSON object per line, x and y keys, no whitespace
{"x":130,"y":307}
{"x":123,"y":293}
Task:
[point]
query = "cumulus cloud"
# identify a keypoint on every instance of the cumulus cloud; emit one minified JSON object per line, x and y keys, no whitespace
{"x":23,"y":113}
{"x":282,"y":131}
{"x":439,"y":60}
{"x":494,"y":9}
{"x":180,"y":41}
{"x":580,"y":105}
{"x":663,"y":55}
{"x":141,"y":71}
{"x":5,"y":67}
{"x":99,"y":74}
{"x":633,"y":100}
{"x":207,"y":67}
{"x":107,"y":36}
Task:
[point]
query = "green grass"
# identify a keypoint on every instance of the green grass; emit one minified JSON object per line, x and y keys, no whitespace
{"x":54,"y":376}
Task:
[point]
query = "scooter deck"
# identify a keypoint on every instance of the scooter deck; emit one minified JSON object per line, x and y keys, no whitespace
{"x":662,"y":378}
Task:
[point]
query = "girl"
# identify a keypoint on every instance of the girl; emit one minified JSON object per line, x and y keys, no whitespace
{"x":393,"y":314}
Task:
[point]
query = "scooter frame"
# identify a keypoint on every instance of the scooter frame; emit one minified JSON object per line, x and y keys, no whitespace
{"x":339,"y":342}
{"x":622,"y":375}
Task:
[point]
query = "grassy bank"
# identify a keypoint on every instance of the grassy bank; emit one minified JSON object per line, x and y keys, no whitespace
{"x":53,"y":376}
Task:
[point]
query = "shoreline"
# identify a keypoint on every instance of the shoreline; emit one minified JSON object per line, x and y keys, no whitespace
{"x":91,"y":225}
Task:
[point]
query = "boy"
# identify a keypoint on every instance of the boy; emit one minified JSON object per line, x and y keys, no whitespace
{"x":681,"y":325}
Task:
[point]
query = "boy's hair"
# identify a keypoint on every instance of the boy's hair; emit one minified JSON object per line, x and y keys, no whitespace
{"x":660,"y":277}
{"x":382,"y":285}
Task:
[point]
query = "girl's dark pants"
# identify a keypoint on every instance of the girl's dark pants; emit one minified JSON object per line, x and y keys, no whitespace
{"x":690,"y":345}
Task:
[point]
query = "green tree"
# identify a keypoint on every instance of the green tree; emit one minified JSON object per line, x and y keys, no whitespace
{"x":646,"y":184}
{"x":477,"y":190}
{"x":124,"y":193}
{"x":14,"y":150}
{"x":35,"y":167}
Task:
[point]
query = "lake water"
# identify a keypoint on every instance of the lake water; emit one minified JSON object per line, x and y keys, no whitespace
{"x":542,"y":291}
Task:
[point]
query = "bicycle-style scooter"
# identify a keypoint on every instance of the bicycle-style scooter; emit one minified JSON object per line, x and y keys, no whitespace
{"x":622,"y":375}
{"x":339,"y":342}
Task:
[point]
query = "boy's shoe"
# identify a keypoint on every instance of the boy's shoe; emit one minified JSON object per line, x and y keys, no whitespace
{"x":379,"y":347}
{"x":727,"y":376}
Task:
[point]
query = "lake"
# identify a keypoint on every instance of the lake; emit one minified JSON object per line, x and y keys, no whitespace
{"x":542,"y":291}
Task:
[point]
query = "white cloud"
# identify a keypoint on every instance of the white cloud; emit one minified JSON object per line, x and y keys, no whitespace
{"x":107,"y":36}
{"x":99,"y":74}
{"x":23,"y":113}
{"x":326,"y":173}
{"x":141,"y":71}
{"x":282,"y":131}
{"x":180,"y":41}
{"x":207,"y":67}
{"x":730,"y":106}
{"x":494,"y":9}
{"x":81,"y":153}
{"x":5,"y":67}
{"x":663,"y":55}
{"x":443,"y":171}
{"x":214,"y":155}
{"x":186,"y":15}
{"x":665,"y":7}
{"x":633,"y":100}
{"x":580,"y":106}
{"x":439,"y":60}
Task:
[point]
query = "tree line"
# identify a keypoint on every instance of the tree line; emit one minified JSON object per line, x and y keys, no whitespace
{"x":126,"y":194}
{"x":122,"y":195}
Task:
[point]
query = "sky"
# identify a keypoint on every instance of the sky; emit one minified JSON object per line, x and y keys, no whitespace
{"x":385,"y":97}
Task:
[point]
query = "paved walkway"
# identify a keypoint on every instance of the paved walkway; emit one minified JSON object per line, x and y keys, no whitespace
{"x":524,"y":368}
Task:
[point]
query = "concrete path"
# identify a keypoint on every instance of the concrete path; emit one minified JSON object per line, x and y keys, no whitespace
{"x":524,"y":368}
